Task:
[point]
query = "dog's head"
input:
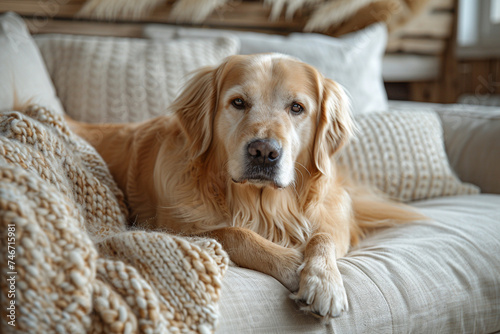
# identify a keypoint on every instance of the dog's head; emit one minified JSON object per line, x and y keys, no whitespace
{"x":266,"y":114}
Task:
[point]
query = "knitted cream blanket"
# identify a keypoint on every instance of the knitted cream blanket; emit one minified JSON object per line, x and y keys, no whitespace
{"x":69,"y":265}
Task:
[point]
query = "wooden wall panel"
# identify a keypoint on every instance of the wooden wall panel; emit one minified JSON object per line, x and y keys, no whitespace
{"x":479,"y":78}
{"x":246,"y":14}
{"x":428,"y":32}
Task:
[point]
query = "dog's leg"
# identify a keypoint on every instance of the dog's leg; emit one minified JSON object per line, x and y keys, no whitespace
{"x":248,"y":249}
{"x":321,"y":289}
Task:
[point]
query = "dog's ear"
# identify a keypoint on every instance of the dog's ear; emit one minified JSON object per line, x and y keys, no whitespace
{"x":334,"y":124}
{"x":195,"y":107}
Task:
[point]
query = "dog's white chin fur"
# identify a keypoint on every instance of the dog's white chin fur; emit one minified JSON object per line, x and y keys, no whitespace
{"x":260,"y":183}
{"x":283,"y":179}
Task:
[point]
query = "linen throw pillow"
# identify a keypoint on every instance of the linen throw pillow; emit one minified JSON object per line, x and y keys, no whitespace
{"x":402,"y":153}
{"x":353,"y":60}
{"x":23,"y":76}
{"x":107,"y":79}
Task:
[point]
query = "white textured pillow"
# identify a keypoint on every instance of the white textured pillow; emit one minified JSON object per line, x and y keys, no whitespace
{"x":353,"y":60}
{"x":402,"y":153}
{"x":23,"y":76}
{"x":107,"y":79}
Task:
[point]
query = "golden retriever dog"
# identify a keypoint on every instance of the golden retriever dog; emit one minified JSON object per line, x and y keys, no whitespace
{"x":247,"y":157}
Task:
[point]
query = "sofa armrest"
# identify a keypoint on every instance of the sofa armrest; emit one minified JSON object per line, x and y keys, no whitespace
{"x":472,"y":140}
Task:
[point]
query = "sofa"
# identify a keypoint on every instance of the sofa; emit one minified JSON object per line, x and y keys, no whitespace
{"x":440,"y":275}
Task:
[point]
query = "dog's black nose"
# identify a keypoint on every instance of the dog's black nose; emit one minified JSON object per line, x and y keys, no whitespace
{"x":264,"y":151}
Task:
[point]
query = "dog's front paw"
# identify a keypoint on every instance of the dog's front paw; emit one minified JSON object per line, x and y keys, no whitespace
{"x":321,"y":290}
{"x":288,"y":273}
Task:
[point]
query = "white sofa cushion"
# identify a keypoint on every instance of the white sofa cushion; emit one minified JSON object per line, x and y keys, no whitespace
{"x":23,"y":76}
{"x":402,"y":153}
{"x":106,"y":79}
{"x":353,"y":60}
{"x":438,"y":276}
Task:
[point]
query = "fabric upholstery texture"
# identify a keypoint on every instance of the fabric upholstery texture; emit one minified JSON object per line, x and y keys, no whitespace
{"x":79,"y":269}
{"x":437,"y":276}
{"x":402,"y":153}
{"x":24,"y":78}
{"x":105,"y":79}
{"x":354,"y":60}
{"x":472,"y":140}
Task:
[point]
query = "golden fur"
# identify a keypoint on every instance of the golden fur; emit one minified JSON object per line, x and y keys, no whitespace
{"x":189,"y":173}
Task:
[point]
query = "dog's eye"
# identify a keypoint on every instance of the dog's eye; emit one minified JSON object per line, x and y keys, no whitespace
{"x":238,"y":103}
{"x":297,"y":109}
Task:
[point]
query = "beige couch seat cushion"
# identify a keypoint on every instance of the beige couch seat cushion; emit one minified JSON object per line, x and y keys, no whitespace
{"x":439,"y":276}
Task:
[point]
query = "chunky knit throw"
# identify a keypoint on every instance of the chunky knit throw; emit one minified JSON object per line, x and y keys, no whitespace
{"x":69,"y":264}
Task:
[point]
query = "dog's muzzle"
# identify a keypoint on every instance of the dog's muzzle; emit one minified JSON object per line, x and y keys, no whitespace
{"x":262,"y":160}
